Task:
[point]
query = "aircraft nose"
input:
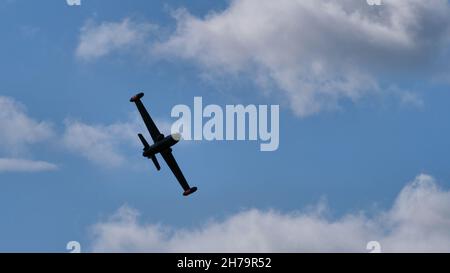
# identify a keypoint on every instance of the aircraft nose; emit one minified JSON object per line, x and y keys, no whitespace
{"x":177,"y":137}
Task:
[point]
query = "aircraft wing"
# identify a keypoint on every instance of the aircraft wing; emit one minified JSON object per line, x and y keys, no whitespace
{"x":149,"y":123}
{"x":173,"y":165}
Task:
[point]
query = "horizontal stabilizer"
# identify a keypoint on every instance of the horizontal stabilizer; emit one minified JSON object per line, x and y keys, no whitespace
{"x":144,"y":141}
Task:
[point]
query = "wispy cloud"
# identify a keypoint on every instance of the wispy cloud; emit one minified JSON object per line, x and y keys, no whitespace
{"x":18,"y":129}
{"x":18,"y":132}
{"x":99,"y":144}
{"x":105,"y":144}
{"x":419,"y":221}
{"x":23,"y":165}
{"x":98,"y":40}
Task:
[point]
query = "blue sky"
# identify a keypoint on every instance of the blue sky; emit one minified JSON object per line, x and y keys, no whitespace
{"x":378,"y":118}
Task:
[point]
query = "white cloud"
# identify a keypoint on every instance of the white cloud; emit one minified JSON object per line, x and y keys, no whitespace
{"x":98,"y":40}
{"x":317,"y":52}
{"x":105,"y":145}
{"x":419,"y":221}
{"x":19,"y":130}
{"x":23,"y":165}
{"x":99,"y":143}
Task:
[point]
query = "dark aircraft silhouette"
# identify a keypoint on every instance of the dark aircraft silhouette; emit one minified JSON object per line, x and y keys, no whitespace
{"x":162,"y":145}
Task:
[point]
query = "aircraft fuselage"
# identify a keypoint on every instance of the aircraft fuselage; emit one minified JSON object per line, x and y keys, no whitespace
{"x":162,"y":145}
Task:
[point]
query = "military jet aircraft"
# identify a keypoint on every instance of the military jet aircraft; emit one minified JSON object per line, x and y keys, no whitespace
{"x":162,"y":145}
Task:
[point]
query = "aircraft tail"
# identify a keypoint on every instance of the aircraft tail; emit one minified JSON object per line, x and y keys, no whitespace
{"x":146,"y":146}
{"x":144,"y":141}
